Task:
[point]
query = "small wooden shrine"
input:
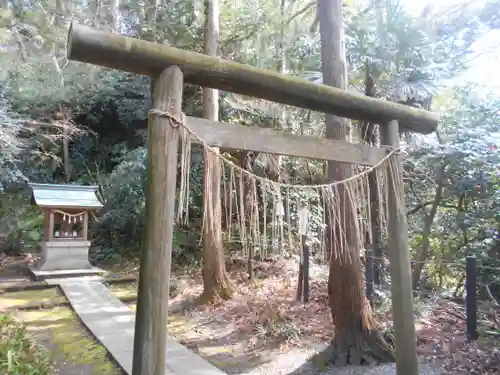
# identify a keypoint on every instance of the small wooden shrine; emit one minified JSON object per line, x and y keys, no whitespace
{"x":65,"y":244}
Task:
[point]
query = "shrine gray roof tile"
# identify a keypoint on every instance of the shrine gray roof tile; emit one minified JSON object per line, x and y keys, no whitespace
{"x":67,"y":195}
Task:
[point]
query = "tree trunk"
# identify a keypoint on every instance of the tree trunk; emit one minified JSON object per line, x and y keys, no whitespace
{"x":149,"y":28}
{"x":281,"y":68}
{"x":216,"y":282}
{"x":423,"y":253}
{"x":63,"y":114}
{"x":66,"y":161}
{"x":356,"y":339}
{"x":114,"y":15}
{"x":370,"y":138}
{"x":247,"y":162}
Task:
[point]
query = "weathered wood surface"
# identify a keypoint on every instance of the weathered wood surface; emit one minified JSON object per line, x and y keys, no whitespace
{"x":138,"y":56}
{"x":399,"y":255}
{"x":156,"y":255}
{"x":51,"y":225}
{"x":253,"y":138}
{"x":86,"y":225}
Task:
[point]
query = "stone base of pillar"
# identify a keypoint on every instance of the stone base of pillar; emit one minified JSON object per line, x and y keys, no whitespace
{"x":63,"y":259}
{"x":67,"y":254}
{"x":52,"y":276}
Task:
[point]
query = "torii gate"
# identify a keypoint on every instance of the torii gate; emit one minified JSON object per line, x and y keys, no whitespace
{"x":171,"y":68}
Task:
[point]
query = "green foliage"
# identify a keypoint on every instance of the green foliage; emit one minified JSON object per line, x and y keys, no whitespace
{"x":19,"y":355}
{"x":122,"y":218}
{"x":20,"y":222}
{"x":467,"y":221}
{"x":409,"y":58}
{"x":11,"y":145}
{"x":121,"y":221}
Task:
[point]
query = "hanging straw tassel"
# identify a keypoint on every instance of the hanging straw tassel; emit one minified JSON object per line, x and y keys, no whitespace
{"x":225,"y":193}
{"x":185,"y":166}
{"x":256,"y":219}
{"x":242,"y":218}
{"x":264,"y":218}
{"x":289,"y":219}
{"x":280,"y":212}
{"x":344,"y":205}
{"x":232,"y":187}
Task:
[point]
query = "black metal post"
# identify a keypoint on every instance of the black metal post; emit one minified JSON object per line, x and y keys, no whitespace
{"x":303,"y":284}
{"x":300,"y":283}
{"x":471,"y":297}
{"x":305,"y":275}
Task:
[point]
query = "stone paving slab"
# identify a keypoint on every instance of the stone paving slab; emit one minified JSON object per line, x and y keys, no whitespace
{"x":58,"y":280}
{"x":39,"y":275}
{"x":113,"y":324}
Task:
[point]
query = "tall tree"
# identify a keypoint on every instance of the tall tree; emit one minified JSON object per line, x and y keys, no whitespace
{"x":216,"y":282}
{"x":356,"y":338}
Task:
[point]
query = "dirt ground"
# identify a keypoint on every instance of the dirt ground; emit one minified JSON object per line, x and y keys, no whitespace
{"x":263,"y":329}
{"x":264,"y":321}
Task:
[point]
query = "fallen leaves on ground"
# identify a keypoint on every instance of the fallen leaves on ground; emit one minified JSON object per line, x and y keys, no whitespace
{"x":264,"y":313}
{"x":18,"y":260}
{"x":443,"y":339}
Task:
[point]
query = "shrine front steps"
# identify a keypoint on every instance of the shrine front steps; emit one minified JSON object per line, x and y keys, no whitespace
{"x":42,"y":275}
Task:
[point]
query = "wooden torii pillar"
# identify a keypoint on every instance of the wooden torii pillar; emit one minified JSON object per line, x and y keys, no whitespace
{"x":170,"y":67}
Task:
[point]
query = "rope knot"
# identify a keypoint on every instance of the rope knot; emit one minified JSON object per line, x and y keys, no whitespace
{"x":174,"y":121}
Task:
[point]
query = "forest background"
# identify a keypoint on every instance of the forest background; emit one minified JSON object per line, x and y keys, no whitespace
{"x":67,"y":122}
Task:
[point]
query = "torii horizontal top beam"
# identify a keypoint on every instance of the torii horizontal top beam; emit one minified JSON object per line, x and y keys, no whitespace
{"x":93,"y":46}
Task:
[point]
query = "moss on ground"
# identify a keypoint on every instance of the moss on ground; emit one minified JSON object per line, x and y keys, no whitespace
{"x":125,"y":290}
{"x":24,"y":298}
{"x":177,"y":324}
{"x":61,"y":324}
{"x":19,"y":354}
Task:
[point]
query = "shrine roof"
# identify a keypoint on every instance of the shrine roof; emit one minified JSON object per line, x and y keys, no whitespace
{"x":64,"y":196}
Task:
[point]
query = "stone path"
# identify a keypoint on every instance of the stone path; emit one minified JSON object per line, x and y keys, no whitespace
{"x":113,"y":323}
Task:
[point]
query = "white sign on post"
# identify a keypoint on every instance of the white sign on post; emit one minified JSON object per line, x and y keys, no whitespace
{"x":303,"y":220}
{"x":280,"y":209}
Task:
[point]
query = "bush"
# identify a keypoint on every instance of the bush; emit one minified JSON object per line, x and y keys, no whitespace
{"x":118,"y":232}
{"x":19,"y":355}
